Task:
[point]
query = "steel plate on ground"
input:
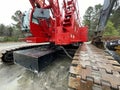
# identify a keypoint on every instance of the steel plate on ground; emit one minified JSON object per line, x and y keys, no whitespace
{"x":34,"y":59}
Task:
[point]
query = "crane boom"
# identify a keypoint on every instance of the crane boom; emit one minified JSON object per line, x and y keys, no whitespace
{"x":105,"y":13}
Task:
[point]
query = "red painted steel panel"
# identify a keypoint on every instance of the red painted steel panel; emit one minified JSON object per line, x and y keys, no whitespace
{"x":63,"y":29}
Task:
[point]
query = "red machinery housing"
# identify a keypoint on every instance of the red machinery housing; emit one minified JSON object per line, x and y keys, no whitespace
{"x":56,"y":21}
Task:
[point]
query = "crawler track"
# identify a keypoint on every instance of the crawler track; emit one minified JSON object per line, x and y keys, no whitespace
{"x":93,"y":69}
{"x":6,"y":54}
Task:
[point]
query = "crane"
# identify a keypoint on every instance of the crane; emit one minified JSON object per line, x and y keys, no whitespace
{"x":104,"y":16}
{"x":53,"y":21}
{"x":93,"y":69}
{"x":58,"y":22}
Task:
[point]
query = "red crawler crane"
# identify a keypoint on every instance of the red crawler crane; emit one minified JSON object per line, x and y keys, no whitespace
{"x":50,"y":23}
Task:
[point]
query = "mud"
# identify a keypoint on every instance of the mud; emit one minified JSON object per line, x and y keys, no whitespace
{"x":53,"y":77}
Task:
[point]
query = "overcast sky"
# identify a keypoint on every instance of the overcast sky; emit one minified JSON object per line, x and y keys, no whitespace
{"x":8,"y":8}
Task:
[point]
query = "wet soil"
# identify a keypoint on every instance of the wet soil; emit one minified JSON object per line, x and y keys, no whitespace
{"x":53,"y":77}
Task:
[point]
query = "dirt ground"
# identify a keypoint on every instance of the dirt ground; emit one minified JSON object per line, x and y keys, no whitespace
{"x":53,"y":77}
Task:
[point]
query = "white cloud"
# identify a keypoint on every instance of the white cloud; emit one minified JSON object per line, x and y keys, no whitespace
{"x":8,"y":8}
{"x":84,"y":4}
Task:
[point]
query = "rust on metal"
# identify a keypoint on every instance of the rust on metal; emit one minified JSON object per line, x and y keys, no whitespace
{"x":117,"y":49}
{"x":94,"y":69}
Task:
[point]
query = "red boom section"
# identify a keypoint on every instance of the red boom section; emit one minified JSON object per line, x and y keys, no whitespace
{"x":62,"y":27}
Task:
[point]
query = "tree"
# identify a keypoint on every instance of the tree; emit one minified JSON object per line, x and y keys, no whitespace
{"x":91,"y":18}
{"x":95,"y":17}
{"x":6,"y":30}
{"x":88,"y":16}
{"x":2,"y":27}
{"x":110,"y":30}
{"x":17,"y":17}
{"x":10,"y":31}
{"x":115,"y":17}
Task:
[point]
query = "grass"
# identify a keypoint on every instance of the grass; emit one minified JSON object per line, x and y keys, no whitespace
{"x":9,"y":39}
